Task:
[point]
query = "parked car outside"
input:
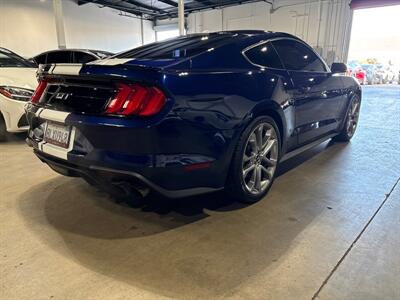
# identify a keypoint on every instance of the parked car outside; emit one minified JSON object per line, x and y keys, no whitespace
{"x":191,"y":115}
{"x":380,"y":73}
{"x":356,"y":70}
{"x":70,"y":56}
{"x":17,"y":84}
{"x":398,"y":76}
{"x":370,"y":76}
{"x":390,"y":75}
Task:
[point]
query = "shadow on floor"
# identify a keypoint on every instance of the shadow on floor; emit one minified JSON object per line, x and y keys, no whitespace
{"x":209,"y":246}
{"x":197,"y":247}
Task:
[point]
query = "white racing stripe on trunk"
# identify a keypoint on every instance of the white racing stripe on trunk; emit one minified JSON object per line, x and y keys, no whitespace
{"x":66,"y":69}
{"x":59,"y":151}
{"x":53,"y":115}
{"x":60,"y":117}
{"x":110,"y":62}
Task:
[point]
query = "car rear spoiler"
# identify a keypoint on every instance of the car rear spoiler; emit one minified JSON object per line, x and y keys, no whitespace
{"x":101,"y":70}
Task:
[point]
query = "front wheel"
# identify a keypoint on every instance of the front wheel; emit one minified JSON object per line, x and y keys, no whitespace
{"x":351,"y":121}
{"x":3,"y":130}
{"x":255,"y":161}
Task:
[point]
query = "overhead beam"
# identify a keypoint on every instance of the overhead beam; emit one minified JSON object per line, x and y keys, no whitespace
{"x":206,"y":2}
{"x":145,"y":6}
{"x":169,"y":2}
{"x":220,"y":4}
{"x":135,"y":11}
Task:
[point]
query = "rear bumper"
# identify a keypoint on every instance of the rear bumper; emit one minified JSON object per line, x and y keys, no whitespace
{"x":172,"y":157}
{"x":95,"y":172}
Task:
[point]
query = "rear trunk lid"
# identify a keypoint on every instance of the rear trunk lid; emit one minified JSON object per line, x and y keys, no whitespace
{"x":89,"y":88}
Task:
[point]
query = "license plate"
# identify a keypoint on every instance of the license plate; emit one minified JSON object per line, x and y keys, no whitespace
{"x":57,"y":134}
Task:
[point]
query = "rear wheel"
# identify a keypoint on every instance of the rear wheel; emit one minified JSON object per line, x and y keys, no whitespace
{"x":254,"y":161}
{"x":3,"y":129}
{"x":351,"y":122}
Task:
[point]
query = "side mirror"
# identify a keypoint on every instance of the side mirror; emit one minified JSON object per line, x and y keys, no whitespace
{"x":338,"y":68}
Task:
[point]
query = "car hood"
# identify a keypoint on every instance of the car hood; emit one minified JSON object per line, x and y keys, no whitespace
{"x":19,"y":77}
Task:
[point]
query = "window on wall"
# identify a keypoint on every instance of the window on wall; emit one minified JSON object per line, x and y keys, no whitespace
{"x":166,"y":34}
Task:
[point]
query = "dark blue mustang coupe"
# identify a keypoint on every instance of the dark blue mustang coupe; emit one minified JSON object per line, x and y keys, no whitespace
{"x":191,"y":115}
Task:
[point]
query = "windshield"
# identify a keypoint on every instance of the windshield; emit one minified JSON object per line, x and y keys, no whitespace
{"x":176,"y":48}
{"x":10,"y":59}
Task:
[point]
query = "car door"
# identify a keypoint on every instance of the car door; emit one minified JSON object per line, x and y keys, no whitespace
{"x":264,"y":55}
{"x":316,"y":93}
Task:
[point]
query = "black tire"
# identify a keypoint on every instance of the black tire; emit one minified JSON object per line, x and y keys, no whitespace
{"x":236,"y":186}
{"x":3,"y":129}
{"x":346,"y":134}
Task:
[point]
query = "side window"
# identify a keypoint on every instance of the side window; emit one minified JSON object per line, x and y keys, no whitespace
{"x":264,"y":55}
{"x":41,"y":59}
{"x":58,"y":57}
{"x":298,"y":57}
{"x":82,"y":57}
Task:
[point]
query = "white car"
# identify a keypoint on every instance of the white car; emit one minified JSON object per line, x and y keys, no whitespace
{"x":17,"y":84}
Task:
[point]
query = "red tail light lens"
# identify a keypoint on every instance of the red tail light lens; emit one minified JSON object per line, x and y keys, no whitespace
{"x":136,"y":100}
{"x":39,"y":91}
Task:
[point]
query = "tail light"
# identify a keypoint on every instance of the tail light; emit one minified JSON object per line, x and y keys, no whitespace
{"x":39,"y":91}
{"x":136,"y":100}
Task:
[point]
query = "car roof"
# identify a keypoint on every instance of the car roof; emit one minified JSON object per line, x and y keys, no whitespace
{"x":90,"y":51}
{"x":241,"y":38}
{"x":249,"y":33}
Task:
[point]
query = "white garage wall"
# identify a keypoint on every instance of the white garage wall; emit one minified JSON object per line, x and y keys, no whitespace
{"x":88,"y":26}
{"x":28,"y":27}
{"x":324,"y":24}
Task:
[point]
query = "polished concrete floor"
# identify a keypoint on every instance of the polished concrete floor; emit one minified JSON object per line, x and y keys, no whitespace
{"x":329,"y":229}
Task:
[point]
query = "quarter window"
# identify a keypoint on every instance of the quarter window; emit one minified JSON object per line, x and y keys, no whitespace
{"x":264,"y":55}
{"x":298,"y":57}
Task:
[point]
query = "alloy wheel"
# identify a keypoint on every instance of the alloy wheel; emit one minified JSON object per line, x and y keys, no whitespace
{"x":352,"y":117}
{"x":260,"y":158}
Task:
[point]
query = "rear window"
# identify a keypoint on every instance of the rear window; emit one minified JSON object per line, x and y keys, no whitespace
{"x":176,"y":48}
{"x":82,"y":57}
{"x":58,"y":57}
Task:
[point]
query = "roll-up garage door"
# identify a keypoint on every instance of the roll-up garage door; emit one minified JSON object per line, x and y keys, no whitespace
{"x":357,"y":4}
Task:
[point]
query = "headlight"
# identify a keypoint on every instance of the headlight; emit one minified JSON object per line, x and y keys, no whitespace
{"x":16,"y":93}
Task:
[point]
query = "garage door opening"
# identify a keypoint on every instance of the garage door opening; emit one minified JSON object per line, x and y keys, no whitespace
{"x":374,"y":54}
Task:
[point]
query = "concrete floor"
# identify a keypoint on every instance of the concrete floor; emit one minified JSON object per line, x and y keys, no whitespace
{"x":329,"y":229}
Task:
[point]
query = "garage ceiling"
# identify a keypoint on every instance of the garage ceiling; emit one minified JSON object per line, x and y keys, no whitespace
{"x":163,"y":9}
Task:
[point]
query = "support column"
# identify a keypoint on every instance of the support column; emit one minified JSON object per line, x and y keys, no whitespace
{"x":58,"y":15}
{"x":141,"y":31}
{"x":181,"y":16}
